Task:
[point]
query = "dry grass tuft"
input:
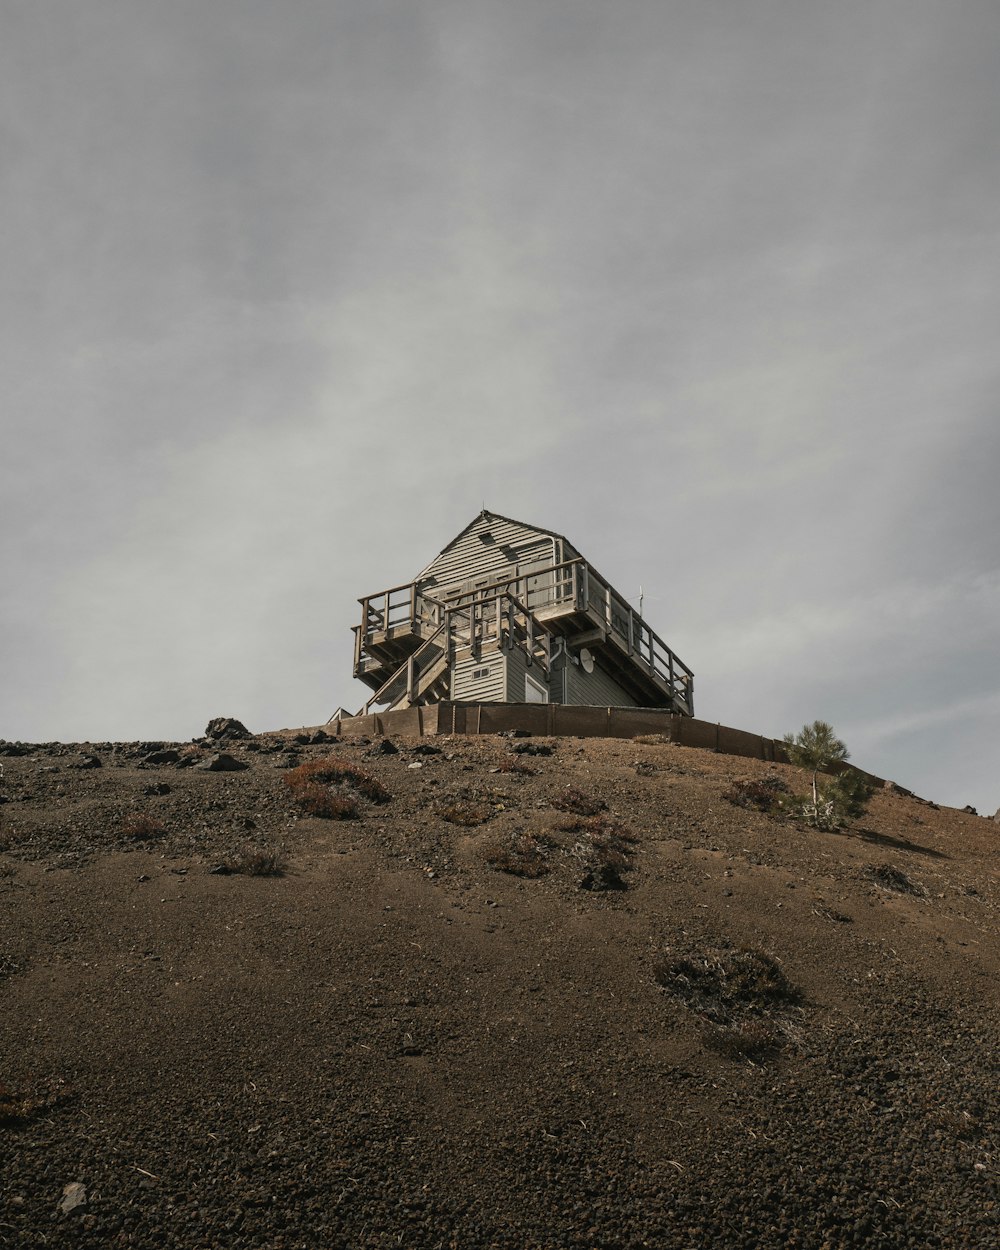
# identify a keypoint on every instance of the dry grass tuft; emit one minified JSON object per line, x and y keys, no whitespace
{"x":339,"y":772}
{"x":310,"y":785}
{"x":514,"y":764}
{"x":142,"y":827}
{"x":726,"y":985}
{"x":950,"y":1123}
{"x":890,"y":878}
{"x":321,"y":801}
{"x":258,"y":861}
{"x":580,"y":804}
{"x":523,"y":856}
{"x":20,"y":1105}
{"x":466,"y":812}
{"x":609,"y":857}
{"x":749,"y":1039}
{"x":761,"y":796}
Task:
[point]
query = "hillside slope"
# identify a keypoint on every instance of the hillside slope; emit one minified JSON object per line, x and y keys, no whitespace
{"x":772,"y":1037}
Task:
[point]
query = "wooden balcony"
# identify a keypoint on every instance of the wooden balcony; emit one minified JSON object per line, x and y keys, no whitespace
{"x":569,"y":601}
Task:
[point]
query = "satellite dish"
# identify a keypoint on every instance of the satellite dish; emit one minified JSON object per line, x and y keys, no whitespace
{"x":587,"y":660}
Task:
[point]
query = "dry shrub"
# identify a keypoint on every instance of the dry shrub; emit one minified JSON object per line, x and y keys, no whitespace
{"x":760,"y":796}
{"x":142,"y":827}
{"x":309,"y":784}
{"x":513,"y":764}
{"x":575,"y":824}
{"x":466,"y":812}
{"x":321,"y":801}
{"x":258,"y":861}
{"x":339,"y":772}
{"x":652,"y":740}
{"x":831,"y":914}
{"x":609,"y":857}
{"x":890,"y":878}
{"x":950,"y":1123}
{"x":19,"y":1105}
{"x":523,"y":856}
{"x":749,"y":1039}
{"x":579,"y":803}
{"x":725,"y":985}
{"x":606,"y":848}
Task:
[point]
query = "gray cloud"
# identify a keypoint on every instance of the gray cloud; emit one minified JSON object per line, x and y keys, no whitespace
{"x":291,"y":291}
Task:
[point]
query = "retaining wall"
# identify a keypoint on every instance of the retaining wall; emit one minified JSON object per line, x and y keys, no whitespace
{"x":558,"y":720}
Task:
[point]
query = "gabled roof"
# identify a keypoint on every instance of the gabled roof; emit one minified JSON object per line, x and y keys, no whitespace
{"x":489,"y":516}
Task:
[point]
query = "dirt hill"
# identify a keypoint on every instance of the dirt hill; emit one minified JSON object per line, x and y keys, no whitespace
{"x":528,"y":993}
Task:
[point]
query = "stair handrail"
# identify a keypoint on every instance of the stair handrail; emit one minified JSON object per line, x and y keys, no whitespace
{"x":404,"y":668}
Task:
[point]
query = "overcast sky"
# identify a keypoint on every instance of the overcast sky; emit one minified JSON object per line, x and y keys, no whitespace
{"x":290,"y":290}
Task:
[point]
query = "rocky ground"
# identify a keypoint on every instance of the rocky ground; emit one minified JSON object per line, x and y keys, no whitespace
{"x":528,"y":994}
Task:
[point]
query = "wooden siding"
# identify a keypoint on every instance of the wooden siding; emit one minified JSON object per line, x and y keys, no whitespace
{"x":517,"y":668}
{"x":598,"y":688}
{"x":509,"y":545}
{"x":466,"y":688}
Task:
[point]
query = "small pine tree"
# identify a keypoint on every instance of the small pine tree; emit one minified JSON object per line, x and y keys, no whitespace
{"x":838,"y":798}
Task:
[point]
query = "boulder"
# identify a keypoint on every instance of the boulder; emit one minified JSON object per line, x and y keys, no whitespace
{"x":168,"y":756}
{"x":222,"y":763}
{"x":226,"y":727}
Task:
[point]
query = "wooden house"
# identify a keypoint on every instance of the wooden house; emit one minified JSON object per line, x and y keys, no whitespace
{"x":511,"y":613}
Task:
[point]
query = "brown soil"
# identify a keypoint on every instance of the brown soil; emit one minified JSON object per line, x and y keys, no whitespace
{"x":576,"y":999}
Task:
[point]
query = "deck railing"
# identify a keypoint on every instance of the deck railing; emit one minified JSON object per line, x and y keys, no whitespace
{"x":485,"y":624}
{"x":529,"y":599}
